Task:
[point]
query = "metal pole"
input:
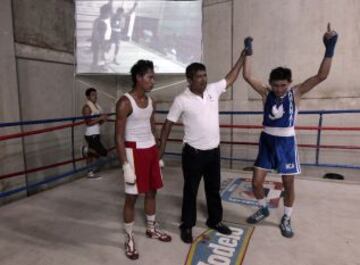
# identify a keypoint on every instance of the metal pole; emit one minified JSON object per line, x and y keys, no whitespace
{"x":318,"y":139}
{"x":232,"y":89}
{"x":73,"y":144}
{"x":20,"y":107}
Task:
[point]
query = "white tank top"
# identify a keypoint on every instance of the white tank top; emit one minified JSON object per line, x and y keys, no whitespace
{"x":108,"y":29}
{"x":138,"y":126}
{"x":93,"y":129}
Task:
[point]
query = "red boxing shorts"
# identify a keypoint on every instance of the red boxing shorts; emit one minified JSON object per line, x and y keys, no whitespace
{"x":145,"y":162}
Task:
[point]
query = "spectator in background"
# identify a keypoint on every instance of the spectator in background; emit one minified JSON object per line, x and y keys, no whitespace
{"x":94,"y":148}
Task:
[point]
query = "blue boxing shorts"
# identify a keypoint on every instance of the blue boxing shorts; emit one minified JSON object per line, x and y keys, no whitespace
{"x":278,"y":153}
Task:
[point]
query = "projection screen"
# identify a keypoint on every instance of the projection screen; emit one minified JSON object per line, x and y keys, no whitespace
{"x":112,"y":35}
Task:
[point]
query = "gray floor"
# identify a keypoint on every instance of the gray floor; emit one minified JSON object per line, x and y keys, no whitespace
{"x":80,"y":223}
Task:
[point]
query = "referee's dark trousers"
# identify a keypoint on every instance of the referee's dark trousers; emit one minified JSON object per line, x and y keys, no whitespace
{"x":195,"y":164}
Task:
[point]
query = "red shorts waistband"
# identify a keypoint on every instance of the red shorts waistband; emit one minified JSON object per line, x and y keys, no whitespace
{"x":130,"y":144}
{"x":133,"y":145}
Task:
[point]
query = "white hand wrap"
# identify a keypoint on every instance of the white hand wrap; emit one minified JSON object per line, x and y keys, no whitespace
{"x":129,"y":174}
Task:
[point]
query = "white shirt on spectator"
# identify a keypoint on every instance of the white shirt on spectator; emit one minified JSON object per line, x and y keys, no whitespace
{"x":200,"y":115}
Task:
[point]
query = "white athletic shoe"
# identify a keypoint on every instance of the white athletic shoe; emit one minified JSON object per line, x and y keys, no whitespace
{"x":92,"y":175}
{"x":130,"y":248}
{"x":84,"y":151}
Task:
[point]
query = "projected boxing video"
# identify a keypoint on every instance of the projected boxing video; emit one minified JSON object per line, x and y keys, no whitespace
{"x":112,"y":35}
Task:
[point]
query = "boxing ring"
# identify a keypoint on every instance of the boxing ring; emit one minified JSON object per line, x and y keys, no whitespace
{"x":79,"y":222}
{"x":71,"y":123}
{"x":68,"y":123}
{"x":317,"y":146}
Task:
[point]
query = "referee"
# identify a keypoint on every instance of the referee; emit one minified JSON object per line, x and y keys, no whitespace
{"x":198,"y":106}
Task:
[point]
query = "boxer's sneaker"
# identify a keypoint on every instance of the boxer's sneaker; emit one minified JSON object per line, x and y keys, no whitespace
{"x":285,"y":227}
{"x":259,"y":215}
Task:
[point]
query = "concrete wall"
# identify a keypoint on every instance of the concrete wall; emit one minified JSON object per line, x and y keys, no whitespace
{"x":290,"y":33}
{"x":10,"y":151}
{"x":46,"y":90}
{"x":45,"y":23}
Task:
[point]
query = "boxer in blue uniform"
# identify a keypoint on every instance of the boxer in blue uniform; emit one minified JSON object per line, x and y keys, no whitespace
{"x":277,"y":145}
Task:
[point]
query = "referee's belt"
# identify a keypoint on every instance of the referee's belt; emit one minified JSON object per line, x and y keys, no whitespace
{"x":199,"y":150}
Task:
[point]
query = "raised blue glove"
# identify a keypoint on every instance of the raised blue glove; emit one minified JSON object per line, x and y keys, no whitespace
{"x":248,"y":46}
{"x":330,"y":39}
{"x":330,"y":45}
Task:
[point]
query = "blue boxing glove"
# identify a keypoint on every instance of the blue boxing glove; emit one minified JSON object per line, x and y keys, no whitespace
{"x":248,"y":46}
{"x":330,"y":39}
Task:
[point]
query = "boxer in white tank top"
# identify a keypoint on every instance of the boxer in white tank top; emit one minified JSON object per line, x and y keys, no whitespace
{"x":94,"y":148}
{"x":138,"y":154}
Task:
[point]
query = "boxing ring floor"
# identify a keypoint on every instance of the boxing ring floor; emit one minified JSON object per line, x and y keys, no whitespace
{"x":80,"y":223}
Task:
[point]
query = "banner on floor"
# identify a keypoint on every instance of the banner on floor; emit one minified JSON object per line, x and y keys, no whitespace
{"x":212,"y":247}
{"x":239,"y":190}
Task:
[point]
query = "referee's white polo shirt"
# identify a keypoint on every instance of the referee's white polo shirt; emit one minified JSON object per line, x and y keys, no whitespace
{"x":200,"y":115}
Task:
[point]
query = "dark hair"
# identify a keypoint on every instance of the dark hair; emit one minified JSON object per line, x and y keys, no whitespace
{"x":193,"y":68}
{"x":89,"y":90}
{"x":105,"y":10}
{"x":140,"y":68}
{"x":120,"y":9}
{"x":280,"y":73}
